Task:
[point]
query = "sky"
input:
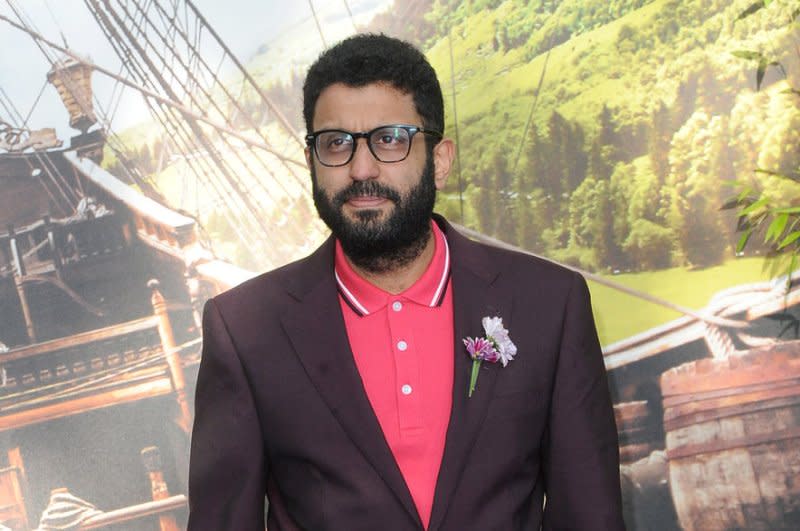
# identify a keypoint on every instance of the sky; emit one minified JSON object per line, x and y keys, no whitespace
{"x":244,"y":25}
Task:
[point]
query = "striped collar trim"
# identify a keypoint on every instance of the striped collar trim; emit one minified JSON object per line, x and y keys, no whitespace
{"x":424,"y":291}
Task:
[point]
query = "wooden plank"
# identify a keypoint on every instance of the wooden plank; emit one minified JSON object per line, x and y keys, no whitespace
{"x":135,"y":512}
{"x":716,"y":446}
{"x":77,"y":340}
{"x":141,"y":204}
{"x":151,"y":389}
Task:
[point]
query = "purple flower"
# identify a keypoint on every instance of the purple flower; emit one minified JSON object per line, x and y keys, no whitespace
{"x":482,"y":349}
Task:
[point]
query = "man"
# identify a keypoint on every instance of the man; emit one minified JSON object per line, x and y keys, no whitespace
{"x":342,"y":385}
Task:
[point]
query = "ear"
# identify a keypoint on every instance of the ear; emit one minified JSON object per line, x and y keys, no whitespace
{"x":443,"y":154}
{"x":309,"y":161}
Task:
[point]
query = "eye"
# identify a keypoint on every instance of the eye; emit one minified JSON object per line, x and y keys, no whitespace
{"x":390,"y":138}
{"x":334,"y":142}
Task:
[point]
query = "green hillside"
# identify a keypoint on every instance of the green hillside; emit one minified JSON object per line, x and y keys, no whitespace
{"x":642,"y":116}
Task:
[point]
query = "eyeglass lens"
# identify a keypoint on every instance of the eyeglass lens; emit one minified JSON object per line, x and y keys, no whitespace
{"x":387,"y":144}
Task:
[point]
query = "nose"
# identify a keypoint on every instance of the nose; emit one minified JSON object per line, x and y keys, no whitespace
{"x":363,"y":166}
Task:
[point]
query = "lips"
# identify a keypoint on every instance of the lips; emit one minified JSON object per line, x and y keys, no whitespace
{"x":366,"y":194}
{"x":366,"y":201}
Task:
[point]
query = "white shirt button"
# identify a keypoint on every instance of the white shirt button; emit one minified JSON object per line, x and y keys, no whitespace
{"x":397,"y":306}
{"x":406,"y":389}
{"x":402,"y":345}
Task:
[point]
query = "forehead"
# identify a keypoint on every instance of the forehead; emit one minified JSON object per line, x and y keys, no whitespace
{"x":363,"y":108}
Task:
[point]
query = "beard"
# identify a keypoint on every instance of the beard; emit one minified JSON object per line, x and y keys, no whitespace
{"x":380,"y":245}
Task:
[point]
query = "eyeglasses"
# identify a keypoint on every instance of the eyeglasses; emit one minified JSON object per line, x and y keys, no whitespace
{"x":387,"y":143}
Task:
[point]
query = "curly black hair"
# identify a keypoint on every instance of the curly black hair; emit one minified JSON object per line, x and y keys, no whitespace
{"x":376,"y":58}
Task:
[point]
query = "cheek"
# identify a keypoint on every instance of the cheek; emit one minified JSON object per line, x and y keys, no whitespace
{"x":329,"y":180}
{"x":407,"y":176}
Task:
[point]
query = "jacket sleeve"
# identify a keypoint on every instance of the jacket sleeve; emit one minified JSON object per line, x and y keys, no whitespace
{"x":581,"y":453}
{"x":227,"y":468}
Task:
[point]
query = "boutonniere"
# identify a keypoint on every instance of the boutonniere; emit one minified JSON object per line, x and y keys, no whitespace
{"x":496,"y":346}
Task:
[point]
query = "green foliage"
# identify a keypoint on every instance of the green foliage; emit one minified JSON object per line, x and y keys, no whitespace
{"x":591,"y":222}
{"x":773,"y":210}
{"x":617,"y":106}
{"x":763,"y":63}
{"x":699,"y":160}
{"x":649,"y":244}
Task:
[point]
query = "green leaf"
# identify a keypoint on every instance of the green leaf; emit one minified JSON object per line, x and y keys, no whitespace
{"x":776,"y":228}
{"x":743,"y":240}
{"x":763,"y":64}
{"x":744,"y":194}
{"x":754,"y":206}
{"x":730,"y":203}
{"x":754,"y":8}
{"x":792,"y":266}
{"x":789,"y":239}
{"x":769,"y":172}
{"x":748,"y":54}
{"x":791,"y":91}
{"x":762,"y":69}
{"x":787,"y":210}
{"x":743,"y":223}
{"x":795,"y":177}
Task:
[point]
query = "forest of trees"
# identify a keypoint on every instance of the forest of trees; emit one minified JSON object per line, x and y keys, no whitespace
{"x":638,"y":184}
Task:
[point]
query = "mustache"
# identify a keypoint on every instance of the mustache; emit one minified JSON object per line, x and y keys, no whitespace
{"x":365,"y":189}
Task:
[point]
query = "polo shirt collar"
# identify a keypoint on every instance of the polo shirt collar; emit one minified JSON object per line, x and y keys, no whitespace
{"x":365,"y":298}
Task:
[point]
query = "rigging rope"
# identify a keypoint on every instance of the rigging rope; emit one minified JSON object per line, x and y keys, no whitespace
{"x":536,"y":93}
{"x":195,"y":67}
{"x":160,"y":46}
{"x":350,"y":14}
{"x":455,"y":123}
{"x":35,"y":103}
{"x":316,"y":21}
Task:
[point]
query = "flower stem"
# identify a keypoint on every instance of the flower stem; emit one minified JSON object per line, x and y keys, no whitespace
{"x":473,"y":380}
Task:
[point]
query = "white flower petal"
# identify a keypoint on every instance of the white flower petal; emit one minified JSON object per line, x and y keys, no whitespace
{"x":491,"y":325}
{"x":497,"y":333}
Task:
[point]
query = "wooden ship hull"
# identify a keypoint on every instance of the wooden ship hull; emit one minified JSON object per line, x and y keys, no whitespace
{"x":101,"y":291}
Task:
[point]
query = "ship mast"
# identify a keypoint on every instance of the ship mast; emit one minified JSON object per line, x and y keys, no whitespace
{"x":253,"y":174}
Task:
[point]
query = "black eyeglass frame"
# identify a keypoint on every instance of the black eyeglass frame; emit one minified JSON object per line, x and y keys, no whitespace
{"x":311,"y":141}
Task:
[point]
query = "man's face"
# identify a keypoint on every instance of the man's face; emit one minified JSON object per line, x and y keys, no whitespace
{"x":380,"y":212}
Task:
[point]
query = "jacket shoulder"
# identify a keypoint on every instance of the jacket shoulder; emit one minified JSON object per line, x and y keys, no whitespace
{"x":527,"y":267}
{"x":275,"y":286}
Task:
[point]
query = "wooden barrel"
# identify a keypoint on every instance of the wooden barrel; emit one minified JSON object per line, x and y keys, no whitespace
{"x":733,"y":440}
{"x":639,"y":433}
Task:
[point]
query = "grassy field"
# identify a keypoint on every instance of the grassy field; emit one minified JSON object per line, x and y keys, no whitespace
{"x":620,"y":315}
{"x":583,"y":74}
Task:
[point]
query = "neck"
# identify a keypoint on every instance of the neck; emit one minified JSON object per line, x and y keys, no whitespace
{"x":401,"y":276}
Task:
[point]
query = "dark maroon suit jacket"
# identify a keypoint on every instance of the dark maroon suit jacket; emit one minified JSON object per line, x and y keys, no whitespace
{"x":280,"y":408}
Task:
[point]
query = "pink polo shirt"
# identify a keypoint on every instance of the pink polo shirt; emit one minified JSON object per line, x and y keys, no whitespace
{"x":403,"y":348}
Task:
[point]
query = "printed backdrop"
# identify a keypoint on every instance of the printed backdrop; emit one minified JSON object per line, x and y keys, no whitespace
{"x":151,"y":157}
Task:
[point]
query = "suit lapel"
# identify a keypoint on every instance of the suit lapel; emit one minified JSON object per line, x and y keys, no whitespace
{"x":473,"y":299}
{"x":317,"y":331}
